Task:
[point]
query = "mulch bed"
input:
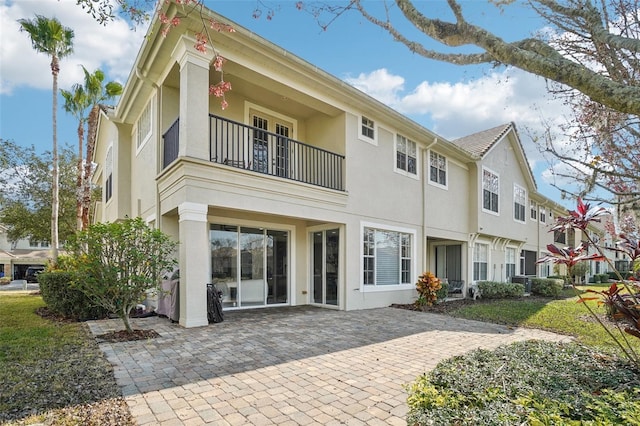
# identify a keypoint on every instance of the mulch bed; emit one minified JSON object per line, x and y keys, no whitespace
{"x":442,"y":307}
{"x":125,"y":336}
{"x":111,"y":337}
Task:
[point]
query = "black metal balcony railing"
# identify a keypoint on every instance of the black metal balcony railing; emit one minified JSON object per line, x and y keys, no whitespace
{"x":170,"y":144}
{"x":238,"y":145}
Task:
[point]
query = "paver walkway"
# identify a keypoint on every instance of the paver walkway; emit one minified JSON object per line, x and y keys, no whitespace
{"x":291,"y":366}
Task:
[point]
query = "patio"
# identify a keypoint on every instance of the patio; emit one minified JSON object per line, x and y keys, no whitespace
{"x":290,"y":366}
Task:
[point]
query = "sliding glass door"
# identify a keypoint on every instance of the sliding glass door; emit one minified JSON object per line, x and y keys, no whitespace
{"x":249,"y":265}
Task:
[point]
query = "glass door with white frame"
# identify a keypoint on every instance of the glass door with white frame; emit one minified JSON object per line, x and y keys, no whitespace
{"x":325,"y":262}
{"x":249,"y":265}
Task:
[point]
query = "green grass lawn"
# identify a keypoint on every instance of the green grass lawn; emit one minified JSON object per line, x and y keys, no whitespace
{"x":563,"y":315}
{"x":52,"y":369}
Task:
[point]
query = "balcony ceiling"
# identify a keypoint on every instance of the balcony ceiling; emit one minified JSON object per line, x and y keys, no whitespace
{"x":264,"y":91}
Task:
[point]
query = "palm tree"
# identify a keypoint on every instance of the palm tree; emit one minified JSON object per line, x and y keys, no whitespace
{"x":76,"y":103}
{"x":96,"y":95}
{"x":48,"y":36}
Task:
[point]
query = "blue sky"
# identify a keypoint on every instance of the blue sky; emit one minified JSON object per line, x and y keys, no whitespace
{"x":451,"y":100}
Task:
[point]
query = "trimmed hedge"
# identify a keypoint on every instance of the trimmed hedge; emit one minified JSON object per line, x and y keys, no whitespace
{"x":527,"y":383}
{"x":61,"y":297}
{"x":547,"y":287}
{"x":499,"y":290}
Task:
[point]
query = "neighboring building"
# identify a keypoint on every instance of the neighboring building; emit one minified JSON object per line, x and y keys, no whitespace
{"x":17,"y":256}
{"x":306,"y":190}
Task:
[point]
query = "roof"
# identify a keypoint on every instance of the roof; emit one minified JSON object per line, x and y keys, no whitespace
{"x":480,"y":143}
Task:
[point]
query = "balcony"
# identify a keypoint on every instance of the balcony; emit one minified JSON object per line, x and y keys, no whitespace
{"x":250,"y":148}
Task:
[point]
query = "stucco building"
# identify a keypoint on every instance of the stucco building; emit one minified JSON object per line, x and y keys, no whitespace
{"x":305,"y":190}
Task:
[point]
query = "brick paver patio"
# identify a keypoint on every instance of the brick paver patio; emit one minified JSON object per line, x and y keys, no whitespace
{"x":291,"y":366}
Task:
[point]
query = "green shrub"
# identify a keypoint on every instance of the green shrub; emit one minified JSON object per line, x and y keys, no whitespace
{"x":443,"y":292}
{"x":63,"y":298}
{"x":5,"y":280}
{"x":498,"y":290}
{"x":564,"y":278}
{"x":625,"y":275}
{"x":604,"y":278}
{"x":547,"y":287}
{"x":531,"y":382}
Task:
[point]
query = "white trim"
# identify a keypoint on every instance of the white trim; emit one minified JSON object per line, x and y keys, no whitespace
{"x":402,"y":172}
{"x":108,"y":171}
{"x":482,"y":191}
{"x":248,"y":106}
{"x":148,"y":107}
{"x":414,"y":261}
{"x":273,"y":226}
{"x":536,"y":210}
{"x":341,"y":265}
{"x":515,"y":185}
{"x":372,"y":141}
{"x":428,"y":170}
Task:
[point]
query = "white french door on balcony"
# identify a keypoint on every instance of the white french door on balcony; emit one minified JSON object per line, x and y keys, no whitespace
{"x":271,"y":153}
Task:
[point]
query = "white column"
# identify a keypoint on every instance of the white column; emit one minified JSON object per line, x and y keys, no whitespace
{"x":194,"y":264}
{"x":194,"y":99}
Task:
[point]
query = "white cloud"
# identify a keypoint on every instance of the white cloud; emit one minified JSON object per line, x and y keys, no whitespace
{"x":112,"y":48}
{"x":380,"y":85}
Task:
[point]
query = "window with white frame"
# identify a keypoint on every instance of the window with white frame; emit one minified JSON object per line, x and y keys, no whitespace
{"x":490,"y":190}
{"x":143,"y":132}
{"x":510,"y":263}
{"x":437,"y":169}
{"x":367,"y":129}
{"x":519,"y":203}
{"x":480,"y":261}
{"x":387,"y":257}
{"x":534,"y":210}
{"x":543,"y":215}
{"x":406,"y":155}
{"x":108,"y":182}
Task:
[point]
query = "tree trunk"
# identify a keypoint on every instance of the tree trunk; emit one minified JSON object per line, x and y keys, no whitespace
{"x":88,"y":168}
{"x":79,"y":224}
{"x":125,"y":319}
{"x":55,"y":69}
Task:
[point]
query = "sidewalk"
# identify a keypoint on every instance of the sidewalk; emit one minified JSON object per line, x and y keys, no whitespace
{"x":291,"y":366}
{"x":20,"y":285}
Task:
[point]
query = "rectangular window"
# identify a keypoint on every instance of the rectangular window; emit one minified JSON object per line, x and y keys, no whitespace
{"x":480,"y":261}
{"x":490,"y":190}
{"x":510,"y":263}
{"x":144,"y":126}
{"x":559,"y":237}
{"x":438,"y":168}
{"x":519,"y":203}
{"x":108,"y":183}
{"x":543,"y":215}
{"x":108,"y":187}
{"x":367,"y":128}
{"x":387,"y":257}
{"x":406,"y":155}
{"x":534,"y":210}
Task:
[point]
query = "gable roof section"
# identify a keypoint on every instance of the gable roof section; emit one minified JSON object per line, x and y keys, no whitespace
{"x":480,"y":143}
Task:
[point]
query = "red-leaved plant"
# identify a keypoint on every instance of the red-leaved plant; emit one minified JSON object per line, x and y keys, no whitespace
{"x":621,"y":298}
